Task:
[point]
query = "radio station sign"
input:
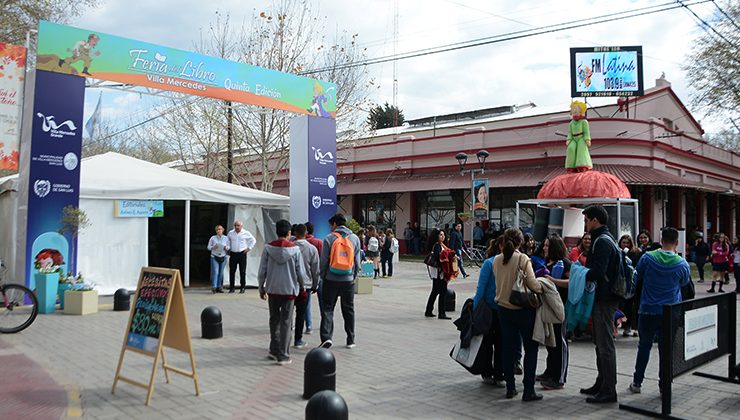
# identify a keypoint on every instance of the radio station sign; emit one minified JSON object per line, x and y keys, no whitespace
{"x":606,"y":71}
{"x":81,"y":52}
{"x":139,"y":208}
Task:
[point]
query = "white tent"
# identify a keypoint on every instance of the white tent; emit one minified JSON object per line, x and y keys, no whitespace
{"x":112,"y":250}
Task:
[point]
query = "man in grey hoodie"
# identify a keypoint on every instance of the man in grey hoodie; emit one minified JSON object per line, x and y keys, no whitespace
{"x":338,"y":285}
{"x":281,"y":277}
{"x":310,"y":260}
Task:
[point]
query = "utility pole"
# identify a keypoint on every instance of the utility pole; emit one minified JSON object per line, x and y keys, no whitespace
{"x":229,"y":137}
{"x":395,"y":63}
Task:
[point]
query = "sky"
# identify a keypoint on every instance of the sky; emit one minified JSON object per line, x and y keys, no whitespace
{"x":533,"y":69}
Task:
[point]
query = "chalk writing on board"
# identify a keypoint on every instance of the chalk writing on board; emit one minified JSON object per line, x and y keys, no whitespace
{"x":149,"y":311}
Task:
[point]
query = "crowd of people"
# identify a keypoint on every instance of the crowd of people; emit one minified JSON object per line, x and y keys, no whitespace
{"x":575,"y":287}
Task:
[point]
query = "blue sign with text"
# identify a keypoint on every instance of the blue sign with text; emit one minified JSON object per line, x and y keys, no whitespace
{"x":322,"y":173}
{"x":54,"y":174}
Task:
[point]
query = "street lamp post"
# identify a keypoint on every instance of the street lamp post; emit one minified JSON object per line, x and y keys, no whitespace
{"x":462,"y":159}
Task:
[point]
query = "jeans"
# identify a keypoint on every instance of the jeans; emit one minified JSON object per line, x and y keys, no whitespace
{"x":518,"y":324}
{"x":628,"y":308}
{"x":700,"y":267}
{"x":606,"y":353}
{"x":309,"y":322}
{"x":460,"y":262}
{"x":281,"y":326}
{"x":649,"y":326}
{"x":333,"y":290}
{"x":237,"y":260}
{"x":387,"y":259}
{"x":415,"y":246}
{"x":300,"y":317}
{"x":439,"y":289}
{"x":217,"y":273}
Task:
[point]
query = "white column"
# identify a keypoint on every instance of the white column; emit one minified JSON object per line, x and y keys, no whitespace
{"x":186,"y":274}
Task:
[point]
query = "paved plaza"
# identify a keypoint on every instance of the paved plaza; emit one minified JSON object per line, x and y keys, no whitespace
{"x":63,"y":367}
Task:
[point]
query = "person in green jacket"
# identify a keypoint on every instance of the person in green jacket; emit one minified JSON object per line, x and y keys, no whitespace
{"x":577,"y":157}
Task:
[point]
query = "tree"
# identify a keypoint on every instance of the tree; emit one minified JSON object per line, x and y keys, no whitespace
{"x":726,"y":139}
{"x":74,"y":220}
{"x":287,"y":37}
{"x":713,"y":66}
{"x":385,"y":116}
{"x":17,"y":17}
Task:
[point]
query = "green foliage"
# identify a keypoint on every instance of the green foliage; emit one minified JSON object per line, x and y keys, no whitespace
{"x":385,"y":116}
{"x":353,"y":225}
{"x":74,"y":220}
{"x":17,"y":17}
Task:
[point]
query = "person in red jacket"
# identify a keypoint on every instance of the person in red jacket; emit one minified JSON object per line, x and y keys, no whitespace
{"x":720,"y":253}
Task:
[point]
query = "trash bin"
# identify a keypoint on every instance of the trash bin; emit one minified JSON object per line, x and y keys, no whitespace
{"x":122,"y":300}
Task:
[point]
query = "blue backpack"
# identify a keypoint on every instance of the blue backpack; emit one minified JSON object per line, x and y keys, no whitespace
{"x":623,"y":285}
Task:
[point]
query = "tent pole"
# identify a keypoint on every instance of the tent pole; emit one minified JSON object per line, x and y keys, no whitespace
{"x":186,"y":277}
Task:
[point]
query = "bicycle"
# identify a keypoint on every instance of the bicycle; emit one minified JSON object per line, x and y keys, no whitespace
{"x":18,"y":305}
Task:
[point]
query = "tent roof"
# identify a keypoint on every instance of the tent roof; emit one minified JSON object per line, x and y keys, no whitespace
{"x":116,"y":176}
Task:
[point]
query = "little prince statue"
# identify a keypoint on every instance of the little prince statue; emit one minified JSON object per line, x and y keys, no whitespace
{"x":577,"y":157}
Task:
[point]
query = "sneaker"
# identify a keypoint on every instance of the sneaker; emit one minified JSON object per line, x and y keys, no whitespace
{"x":627,"y":332}
{"x":700,"y":281}
{"x":271,"y":356}
{"x":635,"y":389}
{"x":326,"y":344}
{"x":285,"y":362}
{"x":308,"y":331}
{"x":350,"y":345}
{"x":300,"y":344}
{"x":634,"y":333}
{"x":489,"y":380}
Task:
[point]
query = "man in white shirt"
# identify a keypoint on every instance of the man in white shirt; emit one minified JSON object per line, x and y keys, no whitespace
{"x":240,"y":243}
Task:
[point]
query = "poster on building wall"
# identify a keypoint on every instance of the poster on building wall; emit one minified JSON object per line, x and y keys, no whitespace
{"x":480,"y":199}
{"x":12,"y":75}
{"x":606,"y":71}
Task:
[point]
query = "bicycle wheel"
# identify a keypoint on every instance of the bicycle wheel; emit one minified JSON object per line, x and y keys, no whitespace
{"x":18,"y":309}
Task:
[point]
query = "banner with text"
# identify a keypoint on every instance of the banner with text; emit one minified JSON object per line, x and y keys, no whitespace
{"x":139,"y":208}
{"x":480,"y":199}
{"x":69,"y":50}
{"x":313,"y":172}
{"x":12,"y":75}
{"x":54,"y":173}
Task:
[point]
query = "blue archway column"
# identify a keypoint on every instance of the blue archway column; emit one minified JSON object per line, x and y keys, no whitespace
{"x":313,"y":172}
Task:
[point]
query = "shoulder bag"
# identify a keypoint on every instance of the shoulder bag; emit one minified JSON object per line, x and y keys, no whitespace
{"x":521,"y":296}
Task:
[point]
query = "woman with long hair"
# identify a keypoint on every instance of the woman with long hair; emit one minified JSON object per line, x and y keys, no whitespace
{"x":645,"y":242}
{"x":386,"y":256}
{"x":720,"y":252}
{"x":554,"y":376}
{"x":516,"y":322}
{"x":628,"y":306}
{"x":372,"y":246}
{"x":579,"y":252}
{"x":529,"y":245}
{"x":439,"y":284}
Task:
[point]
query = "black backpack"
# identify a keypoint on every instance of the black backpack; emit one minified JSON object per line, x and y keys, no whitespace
{"x":623,"y":285}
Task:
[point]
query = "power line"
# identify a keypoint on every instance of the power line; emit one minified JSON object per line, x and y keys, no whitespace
{"x":704,"y":23}
{"x":512,"y":35}
{"x":726,"y":15}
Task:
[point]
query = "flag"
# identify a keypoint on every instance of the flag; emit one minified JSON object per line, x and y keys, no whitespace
{"x":94,"y":119}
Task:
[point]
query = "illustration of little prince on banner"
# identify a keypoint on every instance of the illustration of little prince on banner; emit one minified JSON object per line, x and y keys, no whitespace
{"x":577,"y":156}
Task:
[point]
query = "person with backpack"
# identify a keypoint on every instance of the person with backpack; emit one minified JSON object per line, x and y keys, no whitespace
{"x":390,"y":247}
{"x":603,"y":261}
{"x":338,"y":268}
{"x":372,"y":248}
{"x":281,"y":278}
{"x":661,"y":273}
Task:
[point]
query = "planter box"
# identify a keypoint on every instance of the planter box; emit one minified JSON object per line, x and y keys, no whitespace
{"x":80,"y":303}
{"x":363,"y":285}
{"x":46,"y":291}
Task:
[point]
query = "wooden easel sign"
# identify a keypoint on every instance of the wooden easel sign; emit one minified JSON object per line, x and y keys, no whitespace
{"x":157,"y":320}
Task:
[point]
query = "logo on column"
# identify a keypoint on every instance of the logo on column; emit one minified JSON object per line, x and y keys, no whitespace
{"x":70,"y":161}
{"x":42,"y":187}
{"x":316,"y":201}
{"x":49,"y":125}
{"x":322,"y":158}
{"x":331,"y":182}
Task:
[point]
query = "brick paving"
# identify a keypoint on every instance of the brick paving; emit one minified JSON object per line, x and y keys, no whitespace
{"x":399,"y":369}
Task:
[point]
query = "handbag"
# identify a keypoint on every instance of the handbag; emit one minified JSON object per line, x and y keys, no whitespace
{"x":520,"y":295}
{"x":431,"y":261}
{"x":466,"y":356}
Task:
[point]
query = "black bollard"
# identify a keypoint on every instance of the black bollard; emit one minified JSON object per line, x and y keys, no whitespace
{"x":327,"y":405}
{"x":210,"y":323}
{"x":122,"y":300}
{"x":450,"y":300}
{"x":319,"y":372}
